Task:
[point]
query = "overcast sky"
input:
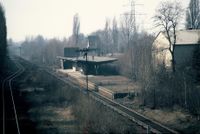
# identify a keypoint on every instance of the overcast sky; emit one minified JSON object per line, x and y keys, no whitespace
{"x":53,"y":18}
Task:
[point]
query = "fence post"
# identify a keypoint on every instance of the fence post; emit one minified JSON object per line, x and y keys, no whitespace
{"x":148,"y":129}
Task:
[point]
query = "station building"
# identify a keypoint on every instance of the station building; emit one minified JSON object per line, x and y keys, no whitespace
{"x":75,"y":59}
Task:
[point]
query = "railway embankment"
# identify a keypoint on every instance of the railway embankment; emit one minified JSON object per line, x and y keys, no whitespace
{"x":58,"y":107}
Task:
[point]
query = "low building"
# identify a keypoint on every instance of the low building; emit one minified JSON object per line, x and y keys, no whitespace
{"x":187,"y":41}
{"x":80,"y":64}
{"x":75,"y":58}
{"x":71,"y":52}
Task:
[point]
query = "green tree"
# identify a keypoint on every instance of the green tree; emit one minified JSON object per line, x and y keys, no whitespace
{"x":3,"y":36}
{"x":193,"y":15}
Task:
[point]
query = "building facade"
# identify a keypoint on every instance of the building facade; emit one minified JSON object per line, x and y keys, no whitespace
{"x":186,"y":43}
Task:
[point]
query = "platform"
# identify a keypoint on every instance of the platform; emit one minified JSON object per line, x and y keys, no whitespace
{"x":114,"y":85}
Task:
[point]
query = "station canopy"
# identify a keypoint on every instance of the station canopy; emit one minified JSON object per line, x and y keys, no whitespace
{"x":90,"y":59}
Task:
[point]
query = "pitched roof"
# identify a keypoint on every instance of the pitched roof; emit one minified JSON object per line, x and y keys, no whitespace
{"x":91,"y":59}
{"x":187,"y":37}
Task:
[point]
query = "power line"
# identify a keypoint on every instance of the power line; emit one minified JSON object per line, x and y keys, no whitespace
{"x":132,"y":13}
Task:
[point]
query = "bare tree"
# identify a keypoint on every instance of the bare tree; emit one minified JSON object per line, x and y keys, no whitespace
{"x":76,"y":29}
{"x":107,"y":37}
{"x":167,"y":17}
{"x":127,"y":26}
{"x":115,"y":34}
{"x":129,"y":32}
{"x":193,"y":15}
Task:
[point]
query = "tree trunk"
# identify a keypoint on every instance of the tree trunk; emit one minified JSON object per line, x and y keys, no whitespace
{"x":173,"y":63}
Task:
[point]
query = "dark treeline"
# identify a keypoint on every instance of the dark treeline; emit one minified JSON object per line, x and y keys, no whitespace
{"x":3,"y":38}
{"x":40,"y":50}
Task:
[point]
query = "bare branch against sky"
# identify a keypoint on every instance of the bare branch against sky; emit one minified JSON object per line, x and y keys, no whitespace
{"x":53,"y":18}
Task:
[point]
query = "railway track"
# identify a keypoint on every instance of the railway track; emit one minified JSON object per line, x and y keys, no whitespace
{"x":141,"y":120}
{"x":10,"y":122}
{"x":149,"y":124}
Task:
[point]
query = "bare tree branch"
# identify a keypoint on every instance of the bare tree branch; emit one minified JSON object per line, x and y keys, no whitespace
{"x":167,"y":17}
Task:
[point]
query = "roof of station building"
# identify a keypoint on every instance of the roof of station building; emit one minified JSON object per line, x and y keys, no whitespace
{"x":90,"y":59}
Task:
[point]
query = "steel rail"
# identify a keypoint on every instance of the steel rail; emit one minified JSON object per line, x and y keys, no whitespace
{"x":3,"y":99}
{"x":9,"y":80}
{"x":11,"y":93}
{"x":140,"y":119}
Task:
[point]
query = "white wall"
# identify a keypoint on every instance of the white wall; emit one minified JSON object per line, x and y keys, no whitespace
{"x":160,"y":51}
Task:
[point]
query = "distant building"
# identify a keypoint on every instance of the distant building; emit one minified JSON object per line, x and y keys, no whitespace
{"x":79,"y":63}
{"x":95,"y":43}
{"x":71,"y":52}
{"x":74,"y":59}
{"x":186,"y":43}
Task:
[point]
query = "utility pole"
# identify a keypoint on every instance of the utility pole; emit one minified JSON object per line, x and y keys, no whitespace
{"x":20,"y":51}
{"x":85,"y":51}
{"x":132,"y":31}
{"x":86,"y":70}
{"x":132,"y":15}
{"x":85,"y":54}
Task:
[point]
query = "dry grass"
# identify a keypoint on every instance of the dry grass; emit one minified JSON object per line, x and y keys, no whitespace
{"x":50,"y":116}
{"x":52,"y":109}
{"x":176,"y":118}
